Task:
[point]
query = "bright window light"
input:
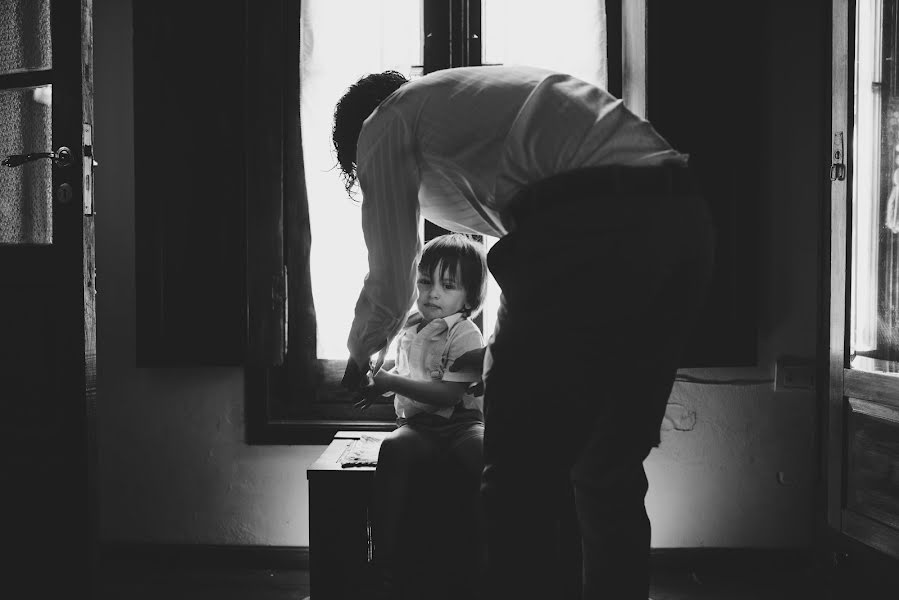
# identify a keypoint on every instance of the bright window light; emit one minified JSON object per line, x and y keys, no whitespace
{"x":563,"y":35}
{"x":343,"y":40}
{"x":867,"y":190}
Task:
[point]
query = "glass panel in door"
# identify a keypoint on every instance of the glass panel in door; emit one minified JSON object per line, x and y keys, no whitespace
{"x":874,"y":301}
{"x":26,"y":215}
{"x":25,"y":36}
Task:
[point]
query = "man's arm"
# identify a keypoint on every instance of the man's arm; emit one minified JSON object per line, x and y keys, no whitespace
{"x":354,"y":377}
{"x":389,"y":179}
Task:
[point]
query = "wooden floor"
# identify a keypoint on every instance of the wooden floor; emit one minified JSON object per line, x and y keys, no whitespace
{"x":130,"y":580}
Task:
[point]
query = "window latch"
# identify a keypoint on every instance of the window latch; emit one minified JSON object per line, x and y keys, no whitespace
{"x":838,"y":165}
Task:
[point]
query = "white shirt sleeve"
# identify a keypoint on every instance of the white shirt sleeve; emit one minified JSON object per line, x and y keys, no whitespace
{"x":389,"y":178}
{"x":468,"y":338}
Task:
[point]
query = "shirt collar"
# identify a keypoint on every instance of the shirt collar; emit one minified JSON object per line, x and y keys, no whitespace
{"x":453,"y":319}
{"x":450,"y":321}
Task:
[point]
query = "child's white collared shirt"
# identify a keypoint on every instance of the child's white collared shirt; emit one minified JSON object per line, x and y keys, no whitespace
{"x":426,"y":355}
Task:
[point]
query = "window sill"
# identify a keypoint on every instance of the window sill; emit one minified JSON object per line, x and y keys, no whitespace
{"x":278,"y":414}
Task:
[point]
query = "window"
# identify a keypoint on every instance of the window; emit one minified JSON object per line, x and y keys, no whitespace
{"x":336,"y":51}
{"x":304,"y":399}
{"x":874,"y":342}
{"x":224,"y":197}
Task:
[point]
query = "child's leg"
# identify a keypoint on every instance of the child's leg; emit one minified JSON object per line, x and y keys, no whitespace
{"x":401,"y":452}
{"x":467,"y":449}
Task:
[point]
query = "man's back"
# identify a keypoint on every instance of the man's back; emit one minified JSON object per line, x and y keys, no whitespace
{"x":479,"y":134}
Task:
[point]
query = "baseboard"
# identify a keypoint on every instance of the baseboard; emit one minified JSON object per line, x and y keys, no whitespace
{"x":207,"y":556}
{"x":731,"y":559}
{"x":211,"y":556}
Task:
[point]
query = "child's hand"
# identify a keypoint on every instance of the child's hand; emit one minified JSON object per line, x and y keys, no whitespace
{"x":380,"y":382}
{"x":374,"y":390}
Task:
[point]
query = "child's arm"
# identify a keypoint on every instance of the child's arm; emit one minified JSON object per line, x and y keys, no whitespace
{"x":442,"y":394}
{"x":465,"y":358}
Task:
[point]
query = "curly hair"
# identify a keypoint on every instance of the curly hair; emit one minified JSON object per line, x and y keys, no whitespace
{"x":356,"y":104}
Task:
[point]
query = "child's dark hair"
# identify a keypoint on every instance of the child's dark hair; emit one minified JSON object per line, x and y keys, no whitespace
{"x":358,"y":102}
{"x":453,"y":254}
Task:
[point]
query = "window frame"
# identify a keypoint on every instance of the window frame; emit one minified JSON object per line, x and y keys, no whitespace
{"x":299,"y":400}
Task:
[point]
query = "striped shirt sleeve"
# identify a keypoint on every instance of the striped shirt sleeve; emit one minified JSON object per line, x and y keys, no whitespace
{"x":389,"y":178}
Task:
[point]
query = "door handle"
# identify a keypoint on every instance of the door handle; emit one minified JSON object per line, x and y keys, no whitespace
{"x":60,"y":158}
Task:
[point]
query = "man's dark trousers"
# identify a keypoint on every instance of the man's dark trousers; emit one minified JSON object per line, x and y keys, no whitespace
{"x":602,"y":281}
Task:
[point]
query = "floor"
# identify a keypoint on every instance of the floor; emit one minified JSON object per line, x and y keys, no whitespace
{"x":135,"y":581}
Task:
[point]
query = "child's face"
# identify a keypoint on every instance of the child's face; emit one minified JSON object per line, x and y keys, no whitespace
{"x":438,"y":297}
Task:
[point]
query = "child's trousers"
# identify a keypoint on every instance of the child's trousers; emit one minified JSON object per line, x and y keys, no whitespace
{"x":601,"y":285}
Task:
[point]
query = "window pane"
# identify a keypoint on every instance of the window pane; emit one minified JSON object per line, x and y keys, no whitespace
{"x":567,"y":36}
{"x":25,"y":36}
{"x":25,"y":191}
{"x":571,"y":38}
{"x":874,"y":301}
{"x":336,"y":51}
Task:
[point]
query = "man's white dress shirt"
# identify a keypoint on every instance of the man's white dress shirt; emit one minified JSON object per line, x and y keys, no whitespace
{"x":454,"y":147}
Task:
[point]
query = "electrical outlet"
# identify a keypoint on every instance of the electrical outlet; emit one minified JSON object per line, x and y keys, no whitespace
{"x":793,"y":373}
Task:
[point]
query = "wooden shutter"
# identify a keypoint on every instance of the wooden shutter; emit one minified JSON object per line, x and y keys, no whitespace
{"x":269,"y":114}
{"x":208,"y":184}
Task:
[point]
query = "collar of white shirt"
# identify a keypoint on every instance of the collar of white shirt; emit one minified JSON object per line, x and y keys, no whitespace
{"x":435,"y":328}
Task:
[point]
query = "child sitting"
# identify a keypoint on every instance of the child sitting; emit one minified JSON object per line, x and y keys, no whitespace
{"x":435,"y":410}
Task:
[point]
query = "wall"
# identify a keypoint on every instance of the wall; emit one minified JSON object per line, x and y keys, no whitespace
{"x":737,"y":464}
{"x":173,"y":464}
{"x":745,"y":472}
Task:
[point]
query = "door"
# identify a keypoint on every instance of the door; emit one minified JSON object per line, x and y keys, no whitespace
{"x":862,"y":436}
{"x":47,"y":342}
